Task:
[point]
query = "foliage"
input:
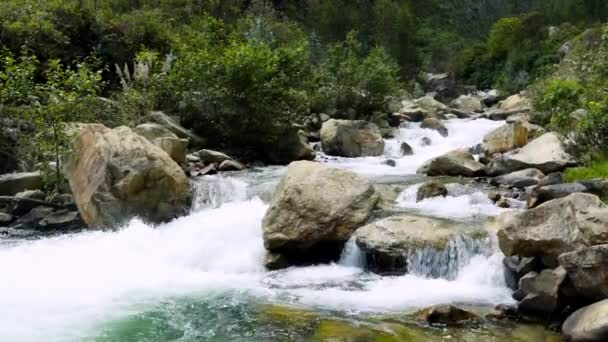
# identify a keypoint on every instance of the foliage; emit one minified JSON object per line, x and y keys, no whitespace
{"x":559,"y":99}
{"x":598,"y":169}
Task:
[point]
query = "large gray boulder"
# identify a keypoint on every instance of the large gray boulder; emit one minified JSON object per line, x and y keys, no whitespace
{"x":433,"y":108}
{"x":506,"y":138}
{"x":173,"y":125}
{"x":454,"y":163}
{"x":588,"y":271}
{"x":541,"y":291}
{"x":348,"y":138}
{"x":519,"y":179}
{"x":160,"y":136}
{"x":555,"y":227}
{"x":388,"y":242}
{"x":517,"y":102}
{"x":14,"y":183}
{"x":116,"y":174}
{"x":467,"y":103}
{"x":314,"y":210}
{"x":589,"y":324}
{"x":546,"y":193}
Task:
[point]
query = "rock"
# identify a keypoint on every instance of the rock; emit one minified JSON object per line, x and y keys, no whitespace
{"x":23,"y":207}
{"x":519,"y":179}
{"x":160,"y":136}
{"x":515,"y":102}
{"x":425,"y":141}
{"x":434,"y":108}
{"x":551,"y":179}
{"x":447,"y":315}
{"x":490,"y":98}
{"x":5,"y":219}
{"x":589,"y":324}
{"x":173,"y":125}
{"x":324,"y":117}
{"x":435,"y":124}
{"x":64,"y":200}
{"x":275,"y":261}
{"x":210,"y":169}
{"x":210,"y":156}
{"x":14,"y":183}
{"x":314,"y":210}
{"x":431,"y":189}
{"x":468,"y":103}
{"x":348,"y":138}
{"x":516,"y":267}
{"x":588,"y":271}
{"x":32,"y":219}
{"x":443,"y":85}
{"x":506,"y":138}
{"x":61,"y":219}
{"x":388,"y":242}
{"x":116,"y":174}
{"x":547,"y":193}
{"x":406,"y":149}
{"x":293,"y":145}
{"x":564,"y":50}
{"x":390,"y":162}
{"x":541,"y":291}
{"x":231,"y":165}
{"x":454,"y":163}
{"x":555,"y":227}
{"x":413,"y":114}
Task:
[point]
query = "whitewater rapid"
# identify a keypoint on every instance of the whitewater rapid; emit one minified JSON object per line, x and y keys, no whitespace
{"x":64,"y":288}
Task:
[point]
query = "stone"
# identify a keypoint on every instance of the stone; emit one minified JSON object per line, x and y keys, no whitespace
{"x":231,"y":165}
{"x":431,"y":189}
{"x":33,"y":217}
{"x":506,"y":138}
{"x":62,"y":219}
{"x":314,"y":211}
{"x":275,"y":261}
{"x":435,"y":124}
{"x":210,"y":156}
{"x":160,"y":136}
{"x":516,"y":267}
{"x":468,"y":103}
{"x":588,"y":324}
{"x":434,"y":108}
{"x":425,"y":141}
{"x":519,"y":179}
{"x":347,"y":138}
{"x":406,"y":149}
{"x":116,"y":174}
{"x":454,"y":163}
{"x":388,"y":242}
{"x":173,"y":125}
{"x":515,"y":102}
{"x":540,"y":195}
{"x":551,"y":179}
{"x":14,"y":183}
{"x":449,"y":315}
{"x":541,"y":291}
{"x":390,"y":162}
{"x":23,"y":207}
{"x":413,"y":114}
{"x":588,"y":271}
{"x":292,"y":145}
{"x":553,"y":228}
{"x":5,"y":219}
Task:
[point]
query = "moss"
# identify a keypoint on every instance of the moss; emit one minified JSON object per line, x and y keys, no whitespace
{"x":286,"y":316}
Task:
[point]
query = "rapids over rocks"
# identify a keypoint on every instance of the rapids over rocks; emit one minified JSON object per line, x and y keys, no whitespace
{"x":201,"y":277}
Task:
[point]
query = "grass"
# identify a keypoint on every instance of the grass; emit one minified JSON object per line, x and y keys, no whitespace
{"x":594,"y":171}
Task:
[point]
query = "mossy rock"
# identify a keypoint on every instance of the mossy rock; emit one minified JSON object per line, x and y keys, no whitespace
{"x":286,"y":316}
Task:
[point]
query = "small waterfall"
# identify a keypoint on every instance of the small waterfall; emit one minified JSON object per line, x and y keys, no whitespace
{"x":352,"y":254}
{"x":447,"y":263}
{"x":214,"y":191}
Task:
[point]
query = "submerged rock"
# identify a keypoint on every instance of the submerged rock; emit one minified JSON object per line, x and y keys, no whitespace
{"x":555,"y":227}
{"x":314,"y":211}
{"x":449,"y":315}
{"x":116,"y":174}
{"x":431,"y":189}
{"x":352,"y":139}
{"x":454,"y":163}
{"x":589,"y":324}
{"x":588,"y":271}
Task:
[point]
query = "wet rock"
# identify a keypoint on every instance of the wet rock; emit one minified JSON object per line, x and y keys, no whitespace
{"x":431,"y":189}
{"x":468,"y":103}
{"x":516,"y":267}
{"x":116,"y":174}
{"x":308,"y":225}
{"x":210,"y":156}
{"x":33,"y":217}
{"x":390,"y":162}
{"x":435,"y":124}
{"x":352,"y":139}
{"x":172,"y":124}
{"x":61,"y":219}
{"x":293,"y":145}
{"x":540,"y":195}
{"x":231,"y":165}
{"x":425,"y":141}
{"x":588,"y":271}
{"x":406,"y":149}
{"x":388,"y":242}
{"x":551,"y":179}
{"x":506,"y":138}
{"x":447,"y":315}
{"x":541,"y":291}
{"x":160,"y":136}
{"x":555,"y":227}
{"x":193,"y":158}
{"x":210,"y":169}
{"x":434,"y":108}
{"x":14,"y":183}
{"x":519,"y":179}
{"x":589,"y":324}
{"x":5,"y":219}
{"x":413,"y":114}
{"x":23,"y":207}
{"x":275,"y":261}
{"x":454,"y":163}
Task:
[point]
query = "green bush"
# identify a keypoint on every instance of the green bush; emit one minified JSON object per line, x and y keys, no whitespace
{"x":597,"y":170}
{"x":558,"y":99}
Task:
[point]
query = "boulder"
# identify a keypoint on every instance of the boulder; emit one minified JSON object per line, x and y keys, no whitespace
{"x":231,"y":165}
{"x":14,"y":183}
{"x":388,"y":242}
{"x":435,"y":124}
{"x":542,"y":194}
{"x":555,"y":227}
{"x":5,"y":219}
{"x":431,"y":189}
{"x":406,"y":149}
{"x":541,"y":291}
{"x":61,"y":219}
{"x":552,"y":178}
{"x":173,"y":125}
{"x":425,"y":141}
{"x":443,"y":85}
{"x":210,"y":156}
{"x":314,"y":210}
{"x":519,"y":179}
{"x":516,"y":267}
{"x":413,"y":114}
{"x":433,"y":108}
{"x":293,"y":145}
{"x":506,"y":138}
{"x":160,"y":136}
{"x":449,"y":315}
{"x":347,"y":138}
{"x":588,"y":271}
{"x":589,"y":324}
{"x":116,"y":174}
{"x":468,"y":103}
{"x":454,"y":163}
{"x":515,"y":102}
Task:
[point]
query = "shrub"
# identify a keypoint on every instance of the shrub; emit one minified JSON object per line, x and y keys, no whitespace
{"x":558,"y":99}
{"x":598,"y":169}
